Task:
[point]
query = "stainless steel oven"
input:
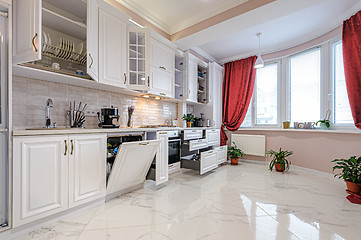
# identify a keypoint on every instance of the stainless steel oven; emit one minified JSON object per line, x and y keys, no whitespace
{"x":174,"y":147}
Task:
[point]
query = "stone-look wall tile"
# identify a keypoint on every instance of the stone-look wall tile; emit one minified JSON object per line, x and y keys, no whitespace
{"x":30,"y":95}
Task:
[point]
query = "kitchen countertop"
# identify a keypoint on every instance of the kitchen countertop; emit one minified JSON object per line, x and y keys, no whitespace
{"x":59,"y":131}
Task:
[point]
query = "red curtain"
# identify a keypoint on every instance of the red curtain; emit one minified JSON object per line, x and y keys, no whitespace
{"x":351,"y":43}
{"x":238,"y":85}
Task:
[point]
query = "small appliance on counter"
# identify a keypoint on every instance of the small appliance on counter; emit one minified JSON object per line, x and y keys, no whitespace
{"x":106,"y":116}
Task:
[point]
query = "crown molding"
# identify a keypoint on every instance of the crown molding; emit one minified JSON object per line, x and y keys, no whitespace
{"x":204,"y":54}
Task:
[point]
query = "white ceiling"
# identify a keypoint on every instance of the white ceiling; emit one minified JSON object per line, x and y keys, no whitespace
{"x":175,"y":15}
{"x":284,"y":24}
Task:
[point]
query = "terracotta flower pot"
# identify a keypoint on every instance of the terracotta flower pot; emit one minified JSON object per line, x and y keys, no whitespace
{"x":353,"y":187}
{"x":279,"y":167}
{"x":234,"y":161}
{"x":189,"y":124}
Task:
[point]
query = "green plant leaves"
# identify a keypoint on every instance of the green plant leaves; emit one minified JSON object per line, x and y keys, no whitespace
{"x":350,"y":169}
{"x":279,"y":157}
{"x":234,"y":152}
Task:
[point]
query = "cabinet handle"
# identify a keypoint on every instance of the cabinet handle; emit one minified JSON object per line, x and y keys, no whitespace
{"x":33,"y":41}
{"x":66,"y":147}
{"x":162,"y":94}
{"x":72,"y":147}
{"x":200,"y":141}
{"x":161,"y":67}
{"x":170,"y":165}
{"x":210,"y":152}
{"x":148,"y":81}
{"x":125,"y":78}
{"x":194,"y":130}
{"x":163,"y":133}
{"x":144,"y":144}
{"x":91,"y":58}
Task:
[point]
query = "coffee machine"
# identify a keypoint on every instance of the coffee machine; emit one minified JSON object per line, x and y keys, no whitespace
{"x":106,"y":116}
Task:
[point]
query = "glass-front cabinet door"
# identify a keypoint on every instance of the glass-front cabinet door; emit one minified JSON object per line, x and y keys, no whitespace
{"x":138,"y":47}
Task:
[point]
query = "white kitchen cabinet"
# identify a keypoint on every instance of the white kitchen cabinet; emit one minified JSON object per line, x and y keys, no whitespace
{"x":161,"y":171}
{"x":197,"y":80}
{"x":27,"y":30}
{"x":92,"y":39}
{"x":40,"y":177}
{"x":112,"y":50}
{"x":39,"y":27}
{"x":161,"y":82}
{"x":221,"y":154}
{"x":197,"y":144}
{"x":161,"y":56}
{"x":208,"y":161}
{"x":87,"y":154}
{"x":192,"y":78}
{"x":131,"y":165}
{"x":192,"y":134}
{"x":55,"y":173}
{"x":138,"y":59}
{"x":213,"y":137}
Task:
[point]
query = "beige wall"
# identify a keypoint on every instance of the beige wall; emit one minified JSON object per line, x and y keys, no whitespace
{"x":30,"y":95}
{"x":312,"y":150}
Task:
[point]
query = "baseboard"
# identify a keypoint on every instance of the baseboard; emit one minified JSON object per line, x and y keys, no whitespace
{"x":302,"y":169}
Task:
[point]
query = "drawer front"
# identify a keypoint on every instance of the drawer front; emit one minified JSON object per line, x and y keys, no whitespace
{"x":192,"y":134}
{"x":208,"y":161}
{"x":221,"y":154}
{"x":197,"y":144}
{"x":213,"y":137}
{"x":174,"y":167}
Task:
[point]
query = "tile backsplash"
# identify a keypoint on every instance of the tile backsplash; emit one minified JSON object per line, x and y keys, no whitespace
{"x":30,"y":95}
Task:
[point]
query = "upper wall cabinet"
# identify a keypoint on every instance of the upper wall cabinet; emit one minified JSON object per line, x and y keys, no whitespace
{"x":139,"y":59}
{"x":151,"y":63}
{"x":112,"y":50}
{"x":57,"y":36}
{"x":198,"y":82}
{"x":162,"y":69}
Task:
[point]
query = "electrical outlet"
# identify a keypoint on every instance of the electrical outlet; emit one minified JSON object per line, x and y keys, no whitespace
{"x":91,"y":113}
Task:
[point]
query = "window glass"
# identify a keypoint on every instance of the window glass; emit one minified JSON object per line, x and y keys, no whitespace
{"x":305,"y":81}
{"x":247,"y":122}
{"x":342,"y":111}
{"x":266,"y":95}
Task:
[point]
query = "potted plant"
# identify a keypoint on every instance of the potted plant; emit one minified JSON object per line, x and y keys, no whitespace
{"x":189,"y":118}
{"x":234,"y":154}
{"x":350,"y":172}
{"x":279,"y":160}
{"x":325,"y":123}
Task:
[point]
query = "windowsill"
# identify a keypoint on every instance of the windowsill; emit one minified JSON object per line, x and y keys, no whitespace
{"x":351,"y":131}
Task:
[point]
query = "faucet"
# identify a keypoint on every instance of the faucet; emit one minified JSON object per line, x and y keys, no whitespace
{"x":49,"y":104}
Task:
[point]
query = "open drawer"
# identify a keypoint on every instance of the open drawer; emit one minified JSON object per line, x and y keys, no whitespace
{"x":206,"y":162}
{"x":192,"y":134}
{"x":221,"y":154}
{"x":131,"y":165}
{"x":197,"y":144}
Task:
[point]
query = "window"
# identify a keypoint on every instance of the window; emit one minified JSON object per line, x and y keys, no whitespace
{"x":342,"y":111}
{"x":247,"y":122}
{"x":305,"y":85}
{"x":266,"y":97}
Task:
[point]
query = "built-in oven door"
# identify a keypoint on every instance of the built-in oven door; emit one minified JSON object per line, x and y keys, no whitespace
{"x":174,"y":147}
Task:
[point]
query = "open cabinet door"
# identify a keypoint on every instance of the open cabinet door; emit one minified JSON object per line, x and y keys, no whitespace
{"x":27,"y":31}
{"x":131,"y":165}
{"x":161,"y":170}
{"x":92,"y":39}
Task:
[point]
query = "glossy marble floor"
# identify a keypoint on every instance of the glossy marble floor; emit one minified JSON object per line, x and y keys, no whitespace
{"x":233,"y":202}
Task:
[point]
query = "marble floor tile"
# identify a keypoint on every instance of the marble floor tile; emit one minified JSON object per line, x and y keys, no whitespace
{"x":232,"y":202}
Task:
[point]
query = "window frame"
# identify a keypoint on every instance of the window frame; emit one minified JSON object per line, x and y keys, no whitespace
{"x":279,"y":91}
{"x":332,"y":95}
{"x":327,"y":88}
{"x":288,"y":79}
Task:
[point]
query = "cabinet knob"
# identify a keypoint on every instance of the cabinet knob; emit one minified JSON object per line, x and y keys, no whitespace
{"x":146,"y":143}
{"x":33,"y":41}
{"x":161,"y":67}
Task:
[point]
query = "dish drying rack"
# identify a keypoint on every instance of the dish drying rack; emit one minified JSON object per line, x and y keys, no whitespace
{"x":64,"y":54}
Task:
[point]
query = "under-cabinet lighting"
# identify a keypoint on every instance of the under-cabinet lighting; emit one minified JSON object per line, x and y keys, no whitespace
{"x":142,"y":79}
{"x":132,"y":21}
{"x":157,"y":98}
{"x":146,"y":96}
